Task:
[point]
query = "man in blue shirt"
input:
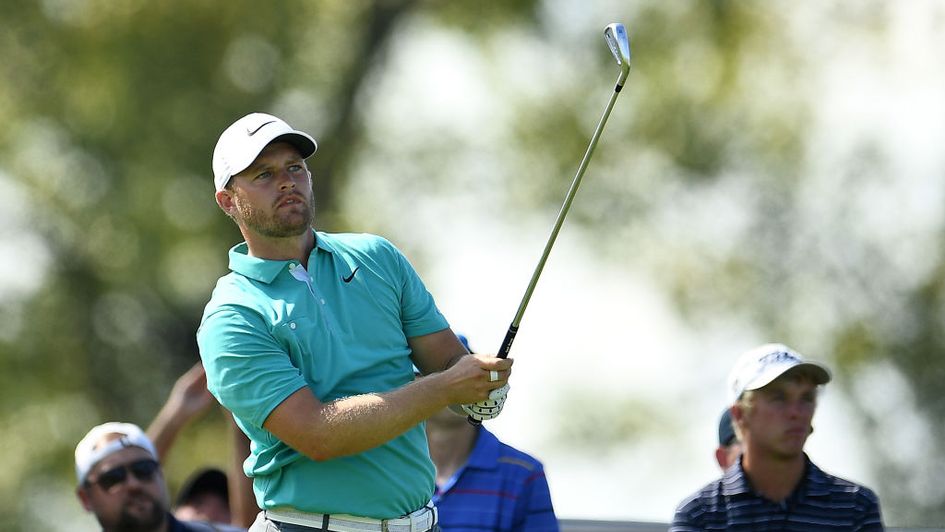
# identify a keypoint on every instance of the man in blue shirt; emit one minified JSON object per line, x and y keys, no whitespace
{"x":483,"y":483}
{"x":310,"y":342}
{"x":774,"y":485}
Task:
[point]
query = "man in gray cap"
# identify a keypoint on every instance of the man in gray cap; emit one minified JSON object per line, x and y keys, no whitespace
{"x":773,"y":393}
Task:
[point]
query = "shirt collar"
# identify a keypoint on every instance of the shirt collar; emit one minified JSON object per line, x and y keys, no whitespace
{"x":818,"y":482}
{"x":484,"y":456}
{"x":734,"y":481}
{"x":265,"y":270}
{"x":485,"y":453}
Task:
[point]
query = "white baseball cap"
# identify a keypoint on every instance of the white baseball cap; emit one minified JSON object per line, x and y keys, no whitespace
{"x":757,"y":367}
{"x":240,"y":144}
{"x":93,"y":449}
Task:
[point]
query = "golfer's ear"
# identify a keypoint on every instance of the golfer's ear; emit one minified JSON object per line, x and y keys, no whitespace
{"x":225,"y":200}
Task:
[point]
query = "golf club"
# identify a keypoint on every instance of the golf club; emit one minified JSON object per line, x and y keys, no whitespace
{"x":616,"y":36}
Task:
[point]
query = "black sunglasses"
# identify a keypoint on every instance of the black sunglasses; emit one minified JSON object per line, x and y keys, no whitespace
{"x":143,"y":470}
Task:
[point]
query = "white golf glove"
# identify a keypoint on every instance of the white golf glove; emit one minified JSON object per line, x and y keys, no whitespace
{"x":489,"y":408}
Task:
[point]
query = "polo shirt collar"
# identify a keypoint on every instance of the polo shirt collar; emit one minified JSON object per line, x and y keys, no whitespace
{"x":264,"y":270}
{"x":734,"y":481}
{"x":323,"y":241}
{"x":485,"y":453}
{"x":484,"y":456}
{"x":818,"y":482}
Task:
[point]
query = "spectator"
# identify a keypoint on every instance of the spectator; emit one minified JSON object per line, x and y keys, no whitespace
{"x":310,"y":342}
{"x":121,"y":482}
{"x":774,"y":485}
{"x":483,"y":483}
{"x":204,"y":496}
{"x":729,"y":448}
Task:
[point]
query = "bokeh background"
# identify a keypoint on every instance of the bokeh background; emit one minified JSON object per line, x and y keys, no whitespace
{"x":773,"y":171}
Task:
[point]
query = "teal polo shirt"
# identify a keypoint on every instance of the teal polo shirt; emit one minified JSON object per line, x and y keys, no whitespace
{"x":341,"y":328}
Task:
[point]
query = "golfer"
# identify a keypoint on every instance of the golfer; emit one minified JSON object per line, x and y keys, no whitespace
{"x":310,"y":341}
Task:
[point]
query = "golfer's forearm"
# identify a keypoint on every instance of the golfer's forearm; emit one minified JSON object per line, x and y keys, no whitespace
{"x":351,"y":425}
{"x":364,"y":422}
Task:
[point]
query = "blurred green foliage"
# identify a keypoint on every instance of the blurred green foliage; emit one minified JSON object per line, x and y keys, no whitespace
{"x":111,"y":110}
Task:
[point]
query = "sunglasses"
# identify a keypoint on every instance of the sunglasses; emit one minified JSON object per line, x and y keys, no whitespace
{"x":143,"y":470}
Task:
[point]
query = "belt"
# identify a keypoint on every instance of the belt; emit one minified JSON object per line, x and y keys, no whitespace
{"x":421,"y":520}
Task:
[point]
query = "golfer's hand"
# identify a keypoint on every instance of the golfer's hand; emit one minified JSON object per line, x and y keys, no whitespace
{"x":491,"y":407}
{"x":473,"y":377}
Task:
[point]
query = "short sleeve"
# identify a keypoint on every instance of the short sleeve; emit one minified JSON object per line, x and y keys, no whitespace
{"x":248,"y":371}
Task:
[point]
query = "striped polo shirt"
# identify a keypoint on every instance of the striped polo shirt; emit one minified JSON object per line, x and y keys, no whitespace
{"x":820,"y":502}
{"x":499,"y":489}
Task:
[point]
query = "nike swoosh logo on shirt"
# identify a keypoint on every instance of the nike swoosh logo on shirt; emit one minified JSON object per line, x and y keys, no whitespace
{"x":348,"y":278}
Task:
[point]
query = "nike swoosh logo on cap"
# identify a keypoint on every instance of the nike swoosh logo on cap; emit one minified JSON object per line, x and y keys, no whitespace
{"x":253,"y":131}
{"x":348,"y":278}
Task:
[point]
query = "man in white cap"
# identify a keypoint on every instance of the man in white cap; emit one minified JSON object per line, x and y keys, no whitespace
{"x":311,"y":341}
{"x":774,"y":485}
{"x":120,"y":481}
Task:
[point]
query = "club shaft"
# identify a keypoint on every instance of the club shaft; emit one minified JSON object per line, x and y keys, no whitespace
{"x":513,"y":328}
{"x":565,"y":207}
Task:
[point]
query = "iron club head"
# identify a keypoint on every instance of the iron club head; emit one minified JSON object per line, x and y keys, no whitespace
{"x":616,"y":36}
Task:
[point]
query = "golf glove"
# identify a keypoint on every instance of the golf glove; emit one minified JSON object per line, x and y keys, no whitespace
{"x":491,"y":407}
